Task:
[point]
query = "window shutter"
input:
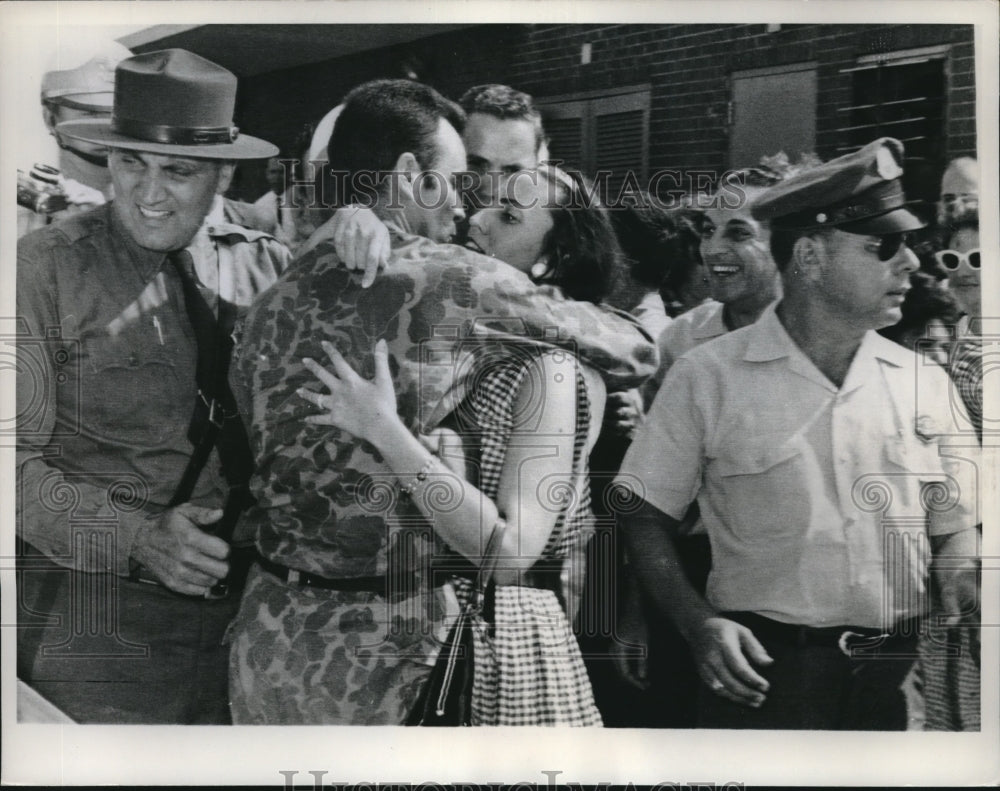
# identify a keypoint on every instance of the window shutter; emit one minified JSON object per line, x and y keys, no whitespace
{"x":619,"y":148}
{"x":601,"y":131}
{"x":905,"y":100}
{"x":566,"y":141}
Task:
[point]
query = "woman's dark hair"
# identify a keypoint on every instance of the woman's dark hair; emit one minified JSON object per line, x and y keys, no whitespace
{"x":647,"y":233}
{"x":381,"y":120}
{"x":584,"y":257}
{"x":926,"y":300}
{"x":683,"y":251}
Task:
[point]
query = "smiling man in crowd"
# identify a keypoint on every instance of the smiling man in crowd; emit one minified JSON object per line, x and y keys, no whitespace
{"x":743,"y":278}
{"x":821,"y":469}
{"x":132,"y":462}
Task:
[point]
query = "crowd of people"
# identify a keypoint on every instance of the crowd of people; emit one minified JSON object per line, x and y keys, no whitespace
{"x":719,"y":459}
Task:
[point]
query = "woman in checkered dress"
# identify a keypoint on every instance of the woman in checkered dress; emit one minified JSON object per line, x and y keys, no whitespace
{"x":949,"y":649}
{"x":531,"y":421}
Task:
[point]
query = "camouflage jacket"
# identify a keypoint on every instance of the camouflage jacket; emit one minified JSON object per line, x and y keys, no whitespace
{"x":327,"y":502}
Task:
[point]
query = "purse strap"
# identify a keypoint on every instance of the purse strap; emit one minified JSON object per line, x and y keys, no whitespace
{"x":491,"y":557}
{"x":483,"y":578}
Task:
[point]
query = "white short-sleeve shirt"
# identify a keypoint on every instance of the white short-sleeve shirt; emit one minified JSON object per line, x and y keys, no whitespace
{"x":818,"y":501}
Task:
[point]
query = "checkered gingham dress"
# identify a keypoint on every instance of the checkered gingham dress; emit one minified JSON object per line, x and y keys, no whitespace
{"x":531,"y":671}
{"x":950,"y":655}
{"x":965,"y":367}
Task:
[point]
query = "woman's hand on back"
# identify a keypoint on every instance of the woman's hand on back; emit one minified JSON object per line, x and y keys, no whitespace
{"x":361,"y":407}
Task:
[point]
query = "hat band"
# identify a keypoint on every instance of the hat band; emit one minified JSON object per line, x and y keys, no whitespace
{"x":875,"y":202}
{"x":174,"y":135}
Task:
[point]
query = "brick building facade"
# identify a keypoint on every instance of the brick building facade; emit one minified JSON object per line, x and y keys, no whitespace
{"x":691,"y":98}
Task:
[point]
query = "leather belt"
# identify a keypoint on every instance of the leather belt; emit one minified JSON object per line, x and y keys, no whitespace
{"x":850,"y":640}
{"x":305,"y":579}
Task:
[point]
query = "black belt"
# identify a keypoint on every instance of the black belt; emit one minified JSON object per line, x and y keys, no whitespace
{"x":305,"y":579}
{"x":240,"y":560}
{"x":850,"y":640}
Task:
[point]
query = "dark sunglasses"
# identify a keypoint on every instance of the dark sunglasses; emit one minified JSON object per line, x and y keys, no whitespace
{"x":951,"y":259}
{"x":889,"y":245}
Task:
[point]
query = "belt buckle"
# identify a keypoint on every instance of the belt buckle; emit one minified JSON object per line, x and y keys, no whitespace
{"x":847,"y":650}
{"x":214,"y":408}
{"x":139,"y":574}
{"x":219,"y":590}
{"x":216,"y":414}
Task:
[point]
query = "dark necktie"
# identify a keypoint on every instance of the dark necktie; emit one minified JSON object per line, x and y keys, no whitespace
{"x":215,"y":421}
{"x":205,"y":326}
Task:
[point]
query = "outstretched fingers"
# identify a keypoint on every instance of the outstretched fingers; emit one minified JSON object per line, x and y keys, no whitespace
{"x":340,"y":365}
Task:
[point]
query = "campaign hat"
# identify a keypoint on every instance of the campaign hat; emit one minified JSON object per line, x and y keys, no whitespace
{"x":172,"y":102}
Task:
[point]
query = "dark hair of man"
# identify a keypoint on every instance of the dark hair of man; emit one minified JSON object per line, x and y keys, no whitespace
{"x":383,"y":119}
{"x":584,"y":257}
{"x":647,"y":233}
{"x":502,"y":101}
{"x":927,"y":299}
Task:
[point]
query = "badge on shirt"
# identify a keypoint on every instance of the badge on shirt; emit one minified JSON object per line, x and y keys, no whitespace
{"x":926,"y":428}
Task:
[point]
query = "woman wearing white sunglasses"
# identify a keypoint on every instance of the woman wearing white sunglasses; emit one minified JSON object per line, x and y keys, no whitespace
{"x":961,"y":262}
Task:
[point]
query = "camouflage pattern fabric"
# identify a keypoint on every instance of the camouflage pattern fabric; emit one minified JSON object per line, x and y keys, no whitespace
{"x":327,"y":503}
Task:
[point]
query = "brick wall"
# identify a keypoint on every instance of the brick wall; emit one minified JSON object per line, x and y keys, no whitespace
{"x":687,"y":67}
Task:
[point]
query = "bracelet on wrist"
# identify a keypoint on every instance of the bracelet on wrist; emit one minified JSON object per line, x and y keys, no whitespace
{"x":414,"y":483}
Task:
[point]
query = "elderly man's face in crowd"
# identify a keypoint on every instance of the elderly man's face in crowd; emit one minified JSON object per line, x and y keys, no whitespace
{"x":736,"y":250}
{"x":959,"y":190}
{"x":499,"y":146}
{"x":162,"y":200}
{"x":856,"y":284}
{"x":436,"y":206}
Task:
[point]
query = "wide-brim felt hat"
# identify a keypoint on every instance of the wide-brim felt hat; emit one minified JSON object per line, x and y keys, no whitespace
{"x":172,"y":102}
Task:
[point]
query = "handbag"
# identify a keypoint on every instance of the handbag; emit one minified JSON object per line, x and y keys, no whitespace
{"x":446,"y":699}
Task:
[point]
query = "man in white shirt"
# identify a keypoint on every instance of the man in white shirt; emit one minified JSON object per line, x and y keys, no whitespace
{"x":825,"y":477}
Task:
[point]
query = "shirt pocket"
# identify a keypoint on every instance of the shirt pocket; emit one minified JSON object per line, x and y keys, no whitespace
{"x":763,"y":488}
{"x":132,"y":390}
{"x":756,"y":457}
